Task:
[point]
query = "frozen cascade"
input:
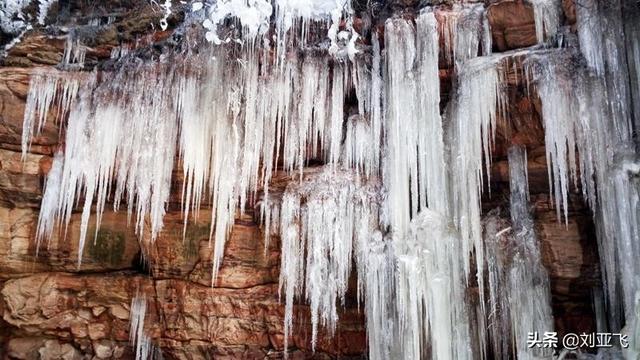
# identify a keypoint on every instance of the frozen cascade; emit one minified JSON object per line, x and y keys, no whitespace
{"x":598,"y":128}
{"x":211,"y":143}
{"x":315,"y":262}
{"x":529,"y":296}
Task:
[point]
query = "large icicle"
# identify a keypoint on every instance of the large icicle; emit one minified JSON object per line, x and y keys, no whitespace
{"x":430,"y":274}
{"x":554,"y":86}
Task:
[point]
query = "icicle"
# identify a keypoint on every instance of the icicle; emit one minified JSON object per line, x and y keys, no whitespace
{"x":498,"y":244}
{"x":430,"y":296}
{"x":137,"y":336}
{"x":413,"y":124}
{"x":546,"y":14}
{"x":375,"y":265}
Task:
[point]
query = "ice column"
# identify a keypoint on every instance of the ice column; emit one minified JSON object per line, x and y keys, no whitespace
{"x":529,"y":296}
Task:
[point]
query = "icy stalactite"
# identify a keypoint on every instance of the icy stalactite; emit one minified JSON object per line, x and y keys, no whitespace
{"x":414,"y":127}
{"x":375,"y":263}
{"x":110,"y":146}
{"x":529,"y":296}
{"x":546,"y":14}
{"x":474,"y":113}
{"x":321,"y":218}
{"x":137,"y":336}
{"x":363,"y":135}
{"x":518,"y":285}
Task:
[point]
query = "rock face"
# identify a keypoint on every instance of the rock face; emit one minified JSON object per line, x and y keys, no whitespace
{"x":53,"y":309}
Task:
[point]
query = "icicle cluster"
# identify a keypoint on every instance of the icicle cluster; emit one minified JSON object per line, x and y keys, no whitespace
{"x":50,"y":95}
{"x":479,"y":101}
{"x":392,"y":199}
{"x":546,"y":14}
{"x":518,"y":285}
{"x":323,"y":219}
{"x":465,"y":32}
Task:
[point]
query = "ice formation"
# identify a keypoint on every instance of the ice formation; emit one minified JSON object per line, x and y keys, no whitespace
{"x":137,"y":336}
{"x":465,"y":30}
{"x":518,"y":285}
{"x":529,"y":297}
{"x":413,"y":123}
{"x":546,"y":14}
{"x":480,"y":99}
{"x":399,"y":194}
{"x":48,"y":91}
{"x":322,"y":219}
